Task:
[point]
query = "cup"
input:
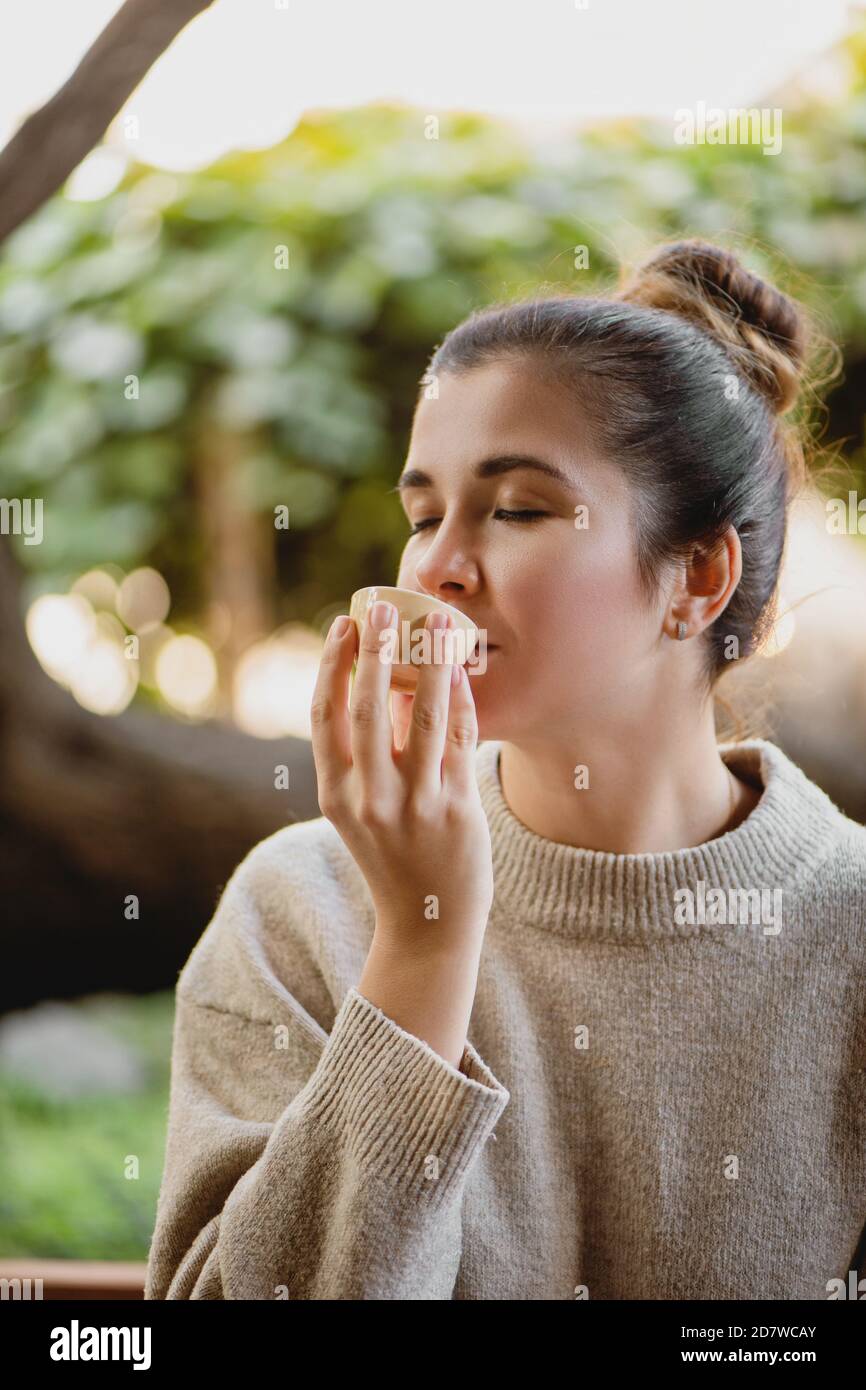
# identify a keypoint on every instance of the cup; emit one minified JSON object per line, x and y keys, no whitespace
{"x":410,"y":645}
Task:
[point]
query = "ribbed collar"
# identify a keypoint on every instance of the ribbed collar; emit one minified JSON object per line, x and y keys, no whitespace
{"x":593,"y":893}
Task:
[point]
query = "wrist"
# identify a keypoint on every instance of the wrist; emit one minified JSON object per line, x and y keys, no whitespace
{"x":444,"y":978}
{"x":429,"y":997}
{"x":430,"y":945}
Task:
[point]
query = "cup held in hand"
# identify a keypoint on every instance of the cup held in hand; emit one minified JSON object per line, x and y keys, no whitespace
{"x":411,"y":645}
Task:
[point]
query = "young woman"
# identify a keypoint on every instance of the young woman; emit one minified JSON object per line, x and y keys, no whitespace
{"x":575,"y":1011}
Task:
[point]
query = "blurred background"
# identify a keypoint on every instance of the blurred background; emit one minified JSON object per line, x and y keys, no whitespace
{"x":230,"y":236}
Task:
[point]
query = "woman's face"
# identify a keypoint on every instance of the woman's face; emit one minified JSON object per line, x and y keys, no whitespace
{"x":571,"y":638}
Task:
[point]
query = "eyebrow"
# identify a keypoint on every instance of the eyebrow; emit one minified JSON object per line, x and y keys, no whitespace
{"x":488,"y":468}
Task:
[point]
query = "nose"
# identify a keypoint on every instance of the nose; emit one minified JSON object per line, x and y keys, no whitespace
{"x":446,"y":569}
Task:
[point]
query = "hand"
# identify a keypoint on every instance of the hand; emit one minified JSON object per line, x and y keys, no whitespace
{"x":411,"y":816}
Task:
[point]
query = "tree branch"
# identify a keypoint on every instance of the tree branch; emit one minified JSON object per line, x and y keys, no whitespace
{"x":53,"y":141}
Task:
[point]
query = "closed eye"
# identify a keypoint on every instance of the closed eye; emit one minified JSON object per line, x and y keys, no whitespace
{"x":501,"y":513}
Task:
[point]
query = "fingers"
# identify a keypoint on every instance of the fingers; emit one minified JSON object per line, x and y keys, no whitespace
{"x":401,"y":709}
{"x":435,"y":728}
{"x":369,"y":718}
{"x":458,"y":767}
{"x":329,"y":711}
{"x":425,"y":745}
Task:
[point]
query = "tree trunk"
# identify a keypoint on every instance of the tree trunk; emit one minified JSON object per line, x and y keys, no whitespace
{"x":239,"y":564}
{"x":93,"y":809}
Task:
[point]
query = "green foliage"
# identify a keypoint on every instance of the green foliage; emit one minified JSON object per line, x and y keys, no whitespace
{"x":63,"y":1189}
{"x":390,"y":238}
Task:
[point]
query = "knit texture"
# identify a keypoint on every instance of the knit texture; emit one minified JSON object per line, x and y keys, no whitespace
{"x":663,"y":1094}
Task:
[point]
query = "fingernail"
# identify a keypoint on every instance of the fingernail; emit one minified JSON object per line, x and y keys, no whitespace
{"x":339,"y":627}
{"x":438,"y":620}
{"x":382,"y":614}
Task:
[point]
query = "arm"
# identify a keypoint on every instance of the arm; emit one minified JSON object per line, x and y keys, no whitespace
{"x":335,"y":1166}
{"x":352,"y":1190}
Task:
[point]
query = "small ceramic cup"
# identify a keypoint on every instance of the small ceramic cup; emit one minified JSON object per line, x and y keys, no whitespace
{"x":410,"y":646}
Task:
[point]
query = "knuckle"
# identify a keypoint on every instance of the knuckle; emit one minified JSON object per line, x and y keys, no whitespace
{"x":321,"y":711}
{"x":462,"y":734}
{"x":329,"y":803}
{"x":331,"y":656}
{"x":373,"y":813}
{"x":365,"y":710}
{"x":418,"y":808}
{"x":372,"y":642}
{"x":426,"y":716}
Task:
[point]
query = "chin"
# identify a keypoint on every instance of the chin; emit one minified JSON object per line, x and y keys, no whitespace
{"x":491,"y":723}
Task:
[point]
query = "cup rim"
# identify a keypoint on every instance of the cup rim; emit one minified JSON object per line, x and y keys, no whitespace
{"x":385,"y":591}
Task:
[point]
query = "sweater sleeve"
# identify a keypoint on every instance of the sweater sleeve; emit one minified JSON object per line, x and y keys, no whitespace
{"x":350,"y":1190}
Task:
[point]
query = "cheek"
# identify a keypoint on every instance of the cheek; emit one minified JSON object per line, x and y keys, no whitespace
{"x":580,"y":595}
{"x":405,"y":574}
{"x":575,"y":595}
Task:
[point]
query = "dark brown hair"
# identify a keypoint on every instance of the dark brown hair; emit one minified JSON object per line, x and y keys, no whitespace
{"x":683,"y":374}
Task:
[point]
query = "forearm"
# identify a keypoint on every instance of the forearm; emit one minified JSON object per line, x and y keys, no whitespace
{"x":354,"y":1191}
{"x":429,"y":993}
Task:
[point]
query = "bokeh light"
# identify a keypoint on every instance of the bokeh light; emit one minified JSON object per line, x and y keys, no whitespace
{"x":60,"y":628}
{"x":99,"y":586}
{"x":274,"y":683}
{"x":186,"y":675}
{"x":143,"y":598}
{"x":83,"y":649}
{"x":106,"y":680}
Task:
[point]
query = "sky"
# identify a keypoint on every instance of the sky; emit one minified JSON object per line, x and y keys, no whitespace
{"x":243,"y":73}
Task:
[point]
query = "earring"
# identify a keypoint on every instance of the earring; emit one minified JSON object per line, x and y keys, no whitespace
{"x":681,"y":631}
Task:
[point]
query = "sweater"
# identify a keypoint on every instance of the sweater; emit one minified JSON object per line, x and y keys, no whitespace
{"x":662,"y":1093}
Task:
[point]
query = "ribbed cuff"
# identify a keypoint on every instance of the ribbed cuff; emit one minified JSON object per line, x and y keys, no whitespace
{"x":407,"y":1114}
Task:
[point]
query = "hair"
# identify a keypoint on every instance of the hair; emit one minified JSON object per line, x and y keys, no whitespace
{"x":683,"y":374}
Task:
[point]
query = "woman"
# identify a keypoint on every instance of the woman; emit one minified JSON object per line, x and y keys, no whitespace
{"x":655,"y":942}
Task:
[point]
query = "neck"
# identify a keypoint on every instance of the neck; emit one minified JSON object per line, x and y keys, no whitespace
{"x":667,"y":791}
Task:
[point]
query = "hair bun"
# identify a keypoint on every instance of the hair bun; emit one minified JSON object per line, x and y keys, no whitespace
{"x":762,"y":330}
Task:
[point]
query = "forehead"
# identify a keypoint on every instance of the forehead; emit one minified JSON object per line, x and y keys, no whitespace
{"x":503,"y":408}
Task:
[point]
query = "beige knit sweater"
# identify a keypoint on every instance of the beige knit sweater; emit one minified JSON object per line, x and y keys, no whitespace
{"x":655,"y":1103}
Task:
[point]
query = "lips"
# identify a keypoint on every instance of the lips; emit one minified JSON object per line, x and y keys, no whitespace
{"x":483,"y":639}
{"x":482,"y":644}
{"x":482,"y":652}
